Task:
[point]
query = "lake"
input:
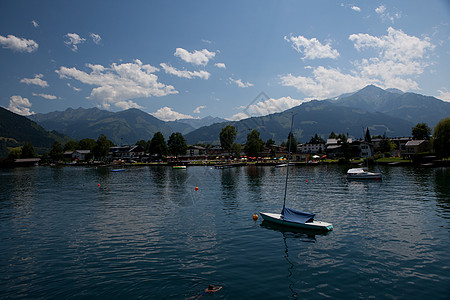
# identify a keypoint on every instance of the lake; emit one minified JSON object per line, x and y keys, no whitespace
{"x":89,"y":233}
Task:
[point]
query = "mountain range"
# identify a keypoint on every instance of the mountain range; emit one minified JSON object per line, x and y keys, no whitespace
{"x":124,"y":127}
{"x":389,"y":112}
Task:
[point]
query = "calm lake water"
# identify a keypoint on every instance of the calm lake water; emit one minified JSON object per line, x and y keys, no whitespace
{"x":89,"y":233}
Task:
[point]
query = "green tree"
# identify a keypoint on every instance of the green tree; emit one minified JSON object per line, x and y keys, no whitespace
{"x":15,"y":153}
{"x":144,"y":144}
{"x":341,"y":138}
{"x":56,"y":153}
{"x":28,"y":151}
{"x":102,"y":147}
{"x":87,"y":144}
{"x":236,"y":148}
{"x":316,"y":139}
{"x":367,"y":137}
{"x":227,"y":136}
{"x":386,"y":145}
{"x":421,"y":132}
{"x":71,"y":146}
{"x":346,"y":148}
{"x":270,"y":142}
{"x":177,"y":144}
{"x":293,"y":140}
{"x":254,"y":143}
{"x":332,"y":135}
{"x":158,"y":145}
{"x":441,"y":138}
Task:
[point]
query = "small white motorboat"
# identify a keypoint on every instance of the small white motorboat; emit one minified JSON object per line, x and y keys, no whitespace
{"x":360,"y":173}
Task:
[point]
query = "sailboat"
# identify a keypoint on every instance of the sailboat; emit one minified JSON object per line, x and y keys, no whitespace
{"x":360,"y":173}
{"x":291,"y":217}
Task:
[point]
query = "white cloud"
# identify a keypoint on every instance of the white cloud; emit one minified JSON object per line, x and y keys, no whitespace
{"x":167,"y":114}
{"x":20,"y":106}
{"x":183,"y":73}
{"x":96,"y":38}
{"x":72,"y":41}
{"x":240,"y":83}
{"x":267,"y":107}
{"x":380,"y":9}
{"x":197,"y":109}
{"x":196,"y":58}
{"x":239,"y":116}
{"x":18,"y":44}
{"x":444,"y":95}
{"x":400,"y":58}
{"x":325,"y":83}
{"x":356,"y":8}
{"x":220,"y":65}
{"x":120,"y":83}
{"x":74,"y":88}
{"x":312,"y":48}
{"x":35,"y":24}
{"x":46,"y":96}
{"x":37,"y":80}
{"x":271,"y":106}
{"x":384,"y":15}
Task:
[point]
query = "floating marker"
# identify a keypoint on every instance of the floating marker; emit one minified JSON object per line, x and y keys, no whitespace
{"x":196,"y":188}
{"x":99,"y":184}
{"x":255,"y":217}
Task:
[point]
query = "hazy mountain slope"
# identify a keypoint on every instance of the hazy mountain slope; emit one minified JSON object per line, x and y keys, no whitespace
{"x":125,"y":127}
{"x":321,"y":117}
{"x":15,"y":130}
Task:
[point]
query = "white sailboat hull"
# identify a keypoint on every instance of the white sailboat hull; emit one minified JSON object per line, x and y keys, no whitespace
{"x":358,"y":173}
{"x":278,"y":219}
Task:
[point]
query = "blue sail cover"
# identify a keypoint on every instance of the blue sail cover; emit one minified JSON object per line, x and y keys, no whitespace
{"x":296,"y":216}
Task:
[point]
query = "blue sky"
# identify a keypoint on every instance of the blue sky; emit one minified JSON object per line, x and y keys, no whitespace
{"x":229,"y":59}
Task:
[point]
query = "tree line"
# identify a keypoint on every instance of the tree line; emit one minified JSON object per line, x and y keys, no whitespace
{"x":176,"y":145}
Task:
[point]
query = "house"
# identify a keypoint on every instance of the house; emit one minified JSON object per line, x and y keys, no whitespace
{"x":400,"y":144}
{"x":196,"y":150}
{"x":311,"y":148}
{"x":80,"y":154}
{"x":126,"y":152}
{"x":215,"y":150}
{"x":334,"y":147}
{"x":416,"y":146}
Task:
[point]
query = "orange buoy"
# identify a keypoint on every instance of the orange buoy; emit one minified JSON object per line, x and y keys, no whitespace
{"x":306,"y":180}
{"x":99,"y":184}
{"x":255,"y":217}
{"x":196,"y":188}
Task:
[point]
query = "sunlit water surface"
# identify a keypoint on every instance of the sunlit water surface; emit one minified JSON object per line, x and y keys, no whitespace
{"x":89,"y":233}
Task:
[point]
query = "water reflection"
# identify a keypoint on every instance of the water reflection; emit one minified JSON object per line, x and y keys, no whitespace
{"x":291,"y":235}
{"x":304,"y":235}
{"x":229,"y":187}
{"x":442,"y":189}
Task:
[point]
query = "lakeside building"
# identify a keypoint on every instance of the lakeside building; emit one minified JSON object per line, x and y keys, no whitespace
{"x":311,"y":148}
{"x":135,"y":152}
{"x":77,"y":154}
{"x":417,"y":146}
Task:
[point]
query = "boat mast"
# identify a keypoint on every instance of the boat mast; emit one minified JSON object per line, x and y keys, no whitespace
{"x":289,"y":160}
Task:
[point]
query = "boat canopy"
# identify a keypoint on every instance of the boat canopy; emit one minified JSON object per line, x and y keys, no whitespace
{"x":296,"y":216}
